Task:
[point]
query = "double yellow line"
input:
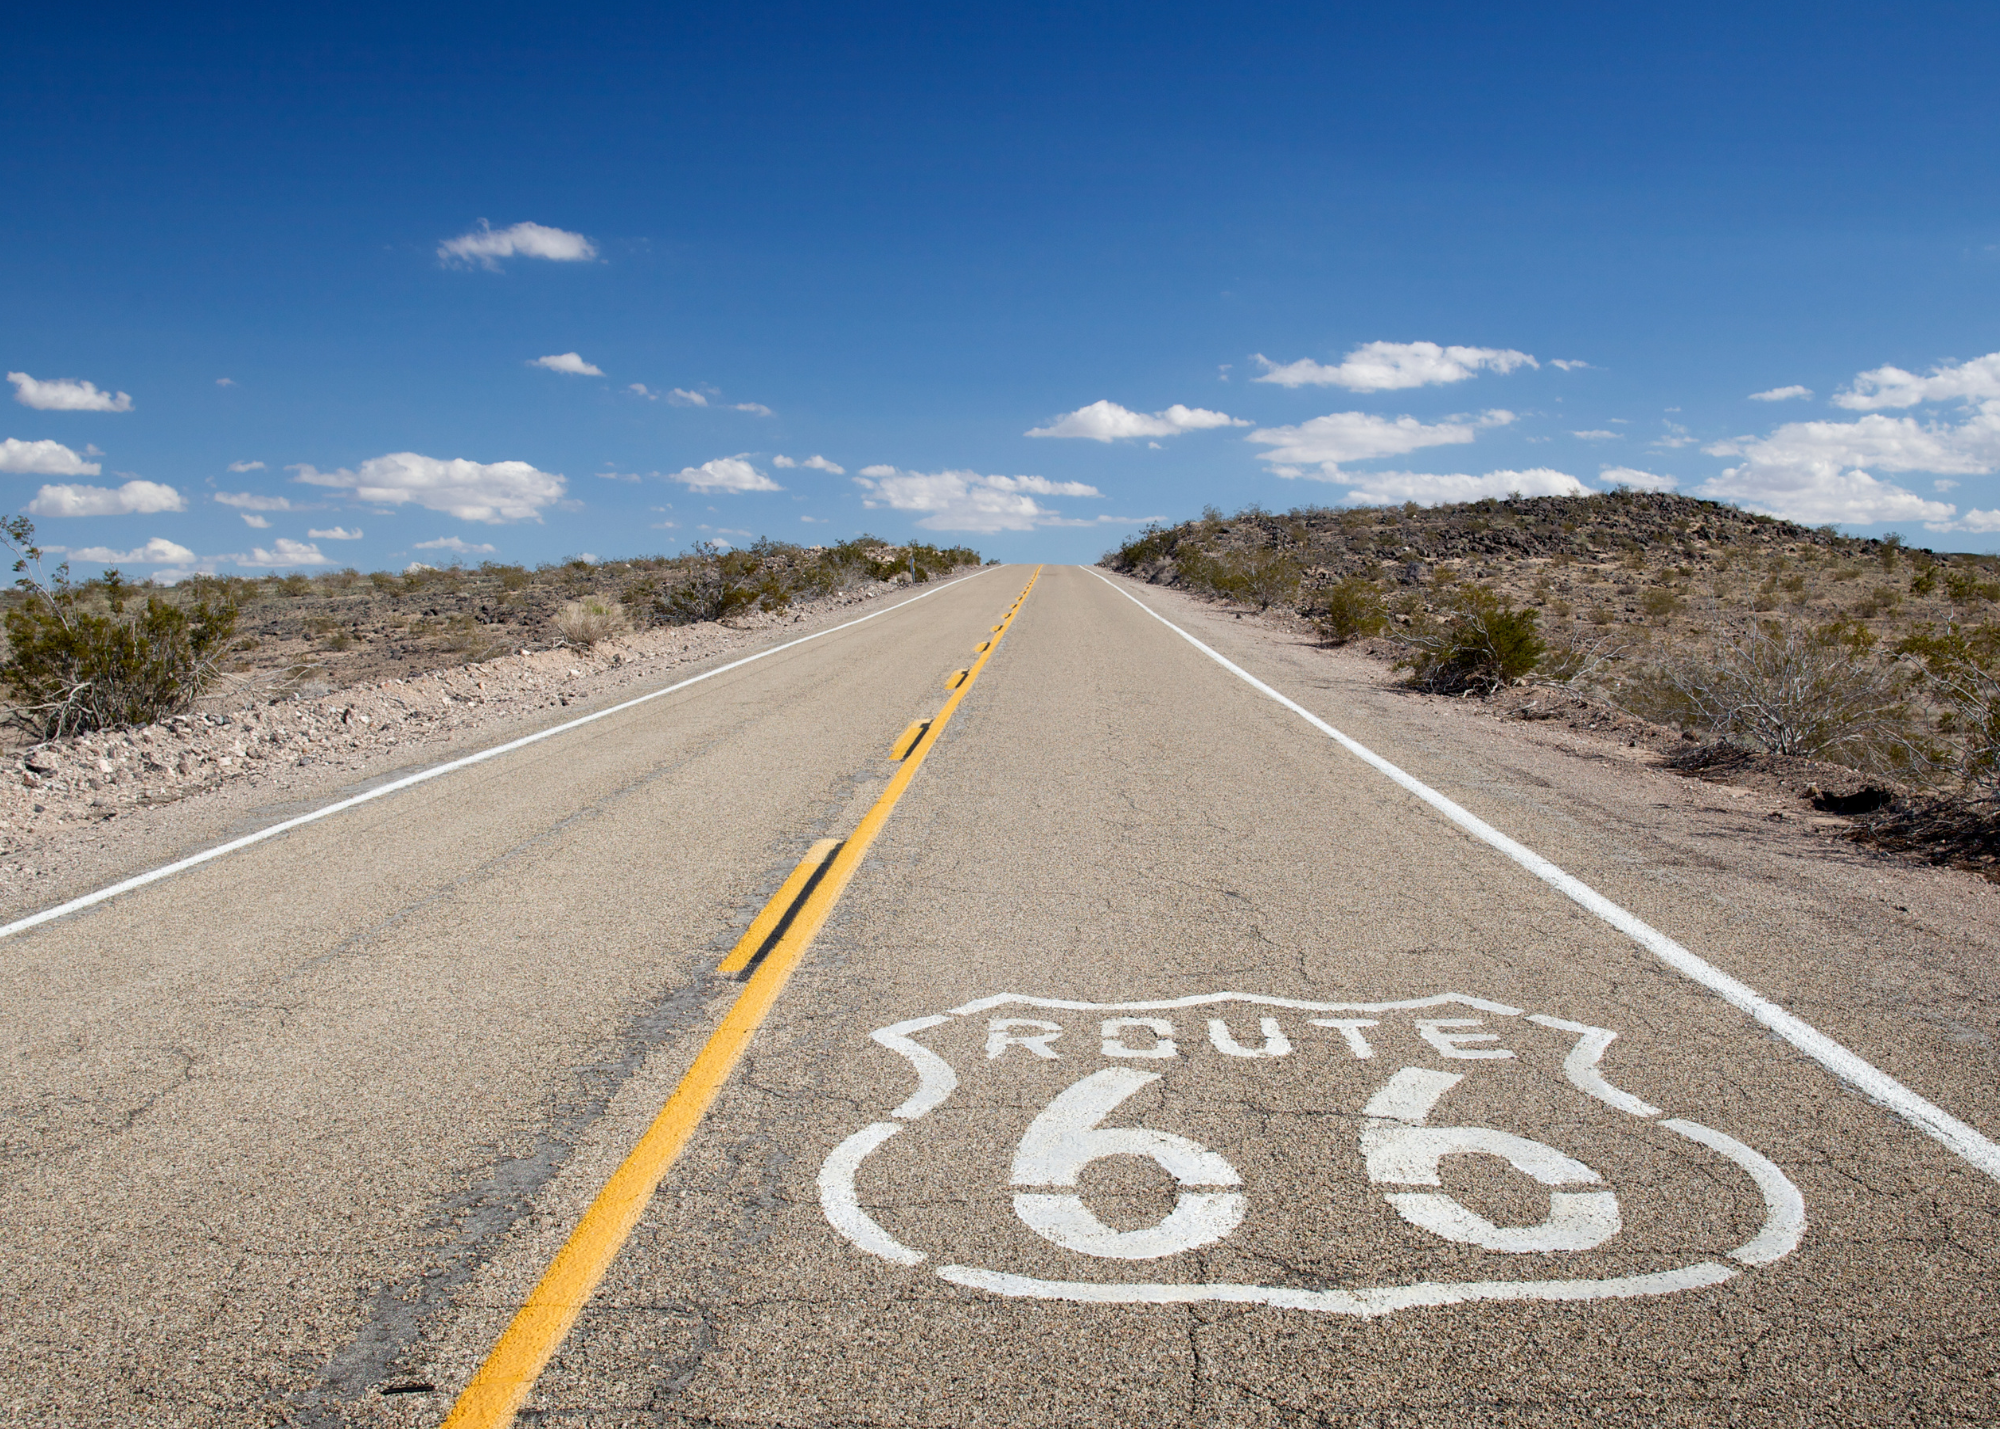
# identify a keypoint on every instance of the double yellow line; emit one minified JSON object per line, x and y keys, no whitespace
{"x":543,"y":1322}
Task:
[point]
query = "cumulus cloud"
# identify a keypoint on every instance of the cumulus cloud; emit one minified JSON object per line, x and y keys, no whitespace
{"x":455,"y":545}
{"x":225,"y":381}
{"x":1597,"y":436}
{"x":568,"y":362}
{"x":336,"y":533}
{"x":681,"y":397}
{"x":755,"y":408}
{"x":1636,"y":479}
{"x":1974,"y":381}
{"x":1569,"y":364}
{"x":472,"y":491}
{"x":44,"y":458}
{"x":967,"y":501}
{"x":66,"y":394}
{"x":157,"y":552}
{"x":487,"y":245}
{"x":1388,"y":488}
{"x":1392,"y":366}
{"x":729,"y":473}
{"x":1108,"y":422}
{"x":814,"y":462}
{"x":250,"y":501}
{"x":255,"y":522}
{"x":1781,"y":394}
{"x":240,"y":467}
{"x":1326,"y":442}
{"x":133,"y":498}
{"x":1825,"y":471}
{"x":285,"y":552}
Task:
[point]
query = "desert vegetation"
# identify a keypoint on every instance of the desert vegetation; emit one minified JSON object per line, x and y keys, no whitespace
{"x":1731,"y":628}
{"x":110,"y":653}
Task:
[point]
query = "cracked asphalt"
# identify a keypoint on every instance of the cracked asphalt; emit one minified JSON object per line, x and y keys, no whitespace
{"x":290,"y":1136}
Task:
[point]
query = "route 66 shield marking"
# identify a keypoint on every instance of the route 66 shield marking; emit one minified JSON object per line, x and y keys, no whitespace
{"x":1352,"y":1158}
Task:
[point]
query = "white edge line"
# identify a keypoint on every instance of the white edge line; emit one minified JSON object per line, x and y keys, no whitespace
{"x":1962,"y":1139}
{"x":77,"y":905}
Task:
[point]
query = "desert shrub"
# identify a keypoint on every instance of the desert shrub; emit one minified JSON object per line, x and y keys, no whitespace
{"x":1659,"y":603}
{"x":1151,"y":544}
{"x":1260,"y":577}
{"x":72,"y":668}
{"x":1813,"y":691}
{"x":1350,"y":610}
{"x":1474,"y":641}
{"x":1962,"y":674}
{"x":385,"y":581}
{"x":587,"y":621}
{"x":1966,"y":588}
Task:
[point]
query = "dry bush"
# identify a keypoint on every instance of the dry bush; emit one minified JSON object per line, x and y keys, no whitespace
{"x":1474,"y":641}
{"x":1817,"y":692}
{"x":587,"y":621}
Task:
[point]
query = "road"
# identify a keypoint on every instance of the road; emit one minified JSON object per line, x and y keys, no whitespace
{"x":1159,"y":1061}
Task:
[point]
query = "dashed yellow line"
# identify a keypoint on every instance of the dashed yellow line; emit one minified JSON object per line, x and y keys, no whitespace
{"x":543,"y":1322}
{"x":907,"y":740}
{"x":760,"y":929}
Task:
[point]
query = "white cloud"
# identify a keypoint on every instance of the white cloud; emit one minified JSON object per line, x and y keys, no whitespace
{"x":472,"y":491}
{"x":44,"y":458}
{"x":133,"y":498}
{"x":1974,"y":381}
{"x":1569,"y":364}
{"x":225,"y":381}
{"x":1597,"y":436}
{"x":681,"y":397}
{"x":1392,"y":366}
{"x":641,"y":389}
{"x":1103,"y":421}
{"x":66,"y":394}
{"x":1981,"y":521}
{"x":242,"y":466}
{"x":255,"y":523}
{"x":1339,"y":437}
{"x":1781,"y":394}
{"x":157,"y":552}
{"x":1636,"y":479}
{"x":1388,"y":488}
{"x":568,"y":362}
{"x":729,"y":473}
{"x":453,"y":544}
{"x":250,"y":501}
{"x":487,"y":245}
{"x":755,"y":408}
{"x":1943,"y":485}
{"x":814,"y":462}
{"x":287,"y":552}
{"x":335,"y":533}
{"x":967,"y":501}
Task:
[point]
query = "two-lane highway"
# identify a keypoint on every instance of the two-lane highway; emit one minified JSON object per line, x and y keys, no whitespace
{"x":1160,"y":1060}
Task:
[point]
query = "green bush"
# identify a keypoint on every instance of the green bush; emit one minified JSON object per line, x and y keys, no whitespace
{"x":1350,"y":610}
{"x":73,"y":668}
{"x":1474,"y":641}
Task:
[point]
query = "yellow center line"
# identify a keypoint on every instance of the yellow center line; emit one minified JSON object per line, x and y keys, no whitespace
{"x":544,"y":1320}
{"x":780,"y":904}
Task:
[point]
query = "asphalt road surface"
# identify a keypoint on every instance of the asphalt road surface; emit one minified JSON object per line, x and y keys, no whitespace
{"x":1160,"y":1061}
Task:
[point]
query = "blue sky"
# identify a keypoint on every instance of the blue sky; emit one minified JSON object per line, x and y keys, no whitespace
{"x":522,"y":282}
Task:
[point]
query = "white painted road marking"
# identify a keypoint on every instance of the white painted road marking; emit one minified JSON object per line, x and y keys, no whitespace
{"x":1396,"y":1146}
{"x":88,"y":900}
{"x":1963,"y":1140}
